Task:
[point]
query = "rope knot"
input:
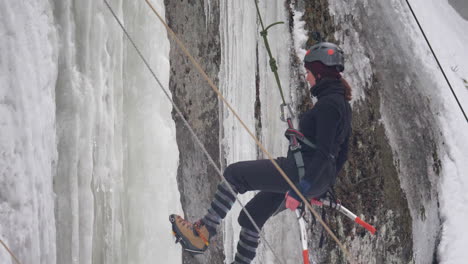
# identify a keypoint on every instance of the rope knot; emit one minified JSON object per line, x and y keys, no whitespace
{"x":273,"y":65}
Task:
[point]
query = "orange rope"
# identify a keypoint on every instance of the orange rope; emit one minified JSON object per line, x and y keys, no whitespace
{"x":9,"y":251}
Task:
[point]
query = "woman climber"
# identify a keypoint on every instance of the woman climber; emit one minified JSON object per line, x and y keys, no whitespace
{"x":327,"y":125}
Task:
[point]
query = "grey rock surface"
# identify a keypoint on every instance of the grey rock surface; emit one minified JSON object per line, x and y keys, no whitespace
{"x":197,"y":179}
{"x":461,"y":6}
{"x":392,"y":174}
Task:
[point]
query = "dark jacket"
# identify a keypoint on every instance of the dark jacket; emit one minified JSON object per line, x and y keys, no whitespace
{"x":328,"y":125}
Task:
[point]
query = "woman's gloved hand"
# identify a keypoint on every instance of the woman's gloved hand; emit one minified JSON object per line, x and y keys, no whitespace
{"x":291,"y":202}
{"x":292,"y":198}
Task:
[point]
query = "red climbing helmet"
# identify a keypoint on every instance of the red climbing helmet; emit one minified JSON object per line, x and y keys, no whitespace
{"x":326,"y":53}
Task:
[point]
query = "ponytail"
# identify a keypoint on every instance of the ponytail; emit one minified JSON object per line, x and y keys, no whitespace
{"x":348,"y":90}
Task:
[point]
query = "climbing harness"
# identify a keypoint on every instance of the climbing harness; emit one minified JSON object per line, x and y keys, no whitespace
{"x":295,"y":148}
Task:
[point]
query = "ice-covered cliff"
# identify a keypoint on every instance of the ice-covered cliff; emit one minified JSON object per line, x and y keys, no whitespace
{"x":92,"y":160}
{"x":84,"y":129}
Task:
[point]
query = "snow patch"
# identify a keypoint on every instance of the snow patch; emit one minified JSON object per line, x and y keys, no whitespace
{"x":358,"y":71}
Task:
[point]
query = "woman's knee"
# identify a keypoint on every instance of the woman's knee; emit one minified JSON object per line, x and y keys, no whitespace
{"x":245,"y":222}
{"x":261,"y":208}
{"x":232,"y":176}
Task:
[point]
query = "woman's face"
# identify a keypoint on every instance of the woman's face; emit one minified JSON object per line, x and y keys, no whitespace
{"x":310,"y":78}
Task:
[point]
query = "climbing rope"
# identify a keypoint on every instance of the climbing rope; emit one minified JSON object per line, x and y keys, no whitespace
{"x":437,"y":60}
{"x":273,"y":66}
{"x":260,"y":145}
{"x":192,"y":132}
{"x":10,"y":252}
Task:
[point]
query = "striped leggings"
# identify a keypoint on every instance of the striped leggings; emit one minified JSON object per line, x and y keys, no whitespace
{"x":245,"y":176}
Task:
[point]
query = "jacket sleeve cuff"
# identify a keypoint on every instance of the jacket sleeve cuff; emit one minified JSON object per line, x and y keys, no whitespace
{"x":304,"y":187}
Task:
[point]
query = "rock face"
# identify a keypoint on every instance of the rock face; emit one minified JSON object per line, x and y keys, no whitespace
{"x":461,"y":7}
{"x":391,"y":174}
{"x":198,"y":28}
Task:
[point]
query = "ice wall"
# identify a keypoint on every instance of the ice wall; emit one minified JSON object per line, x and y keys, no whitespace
{"x":151,"y":153}
{"x":117,"y":150}
{"x":421,"y":117}
{"x":238,"y":34}
{"x":28,"y":155}
{"x":436,"y":18}
{"x":88,"y":147}
{"x":383,"y":43}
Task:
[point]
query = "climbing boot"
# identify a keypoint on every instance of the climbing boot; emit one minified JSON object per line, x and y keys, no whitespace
{"x":194,"y":238}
